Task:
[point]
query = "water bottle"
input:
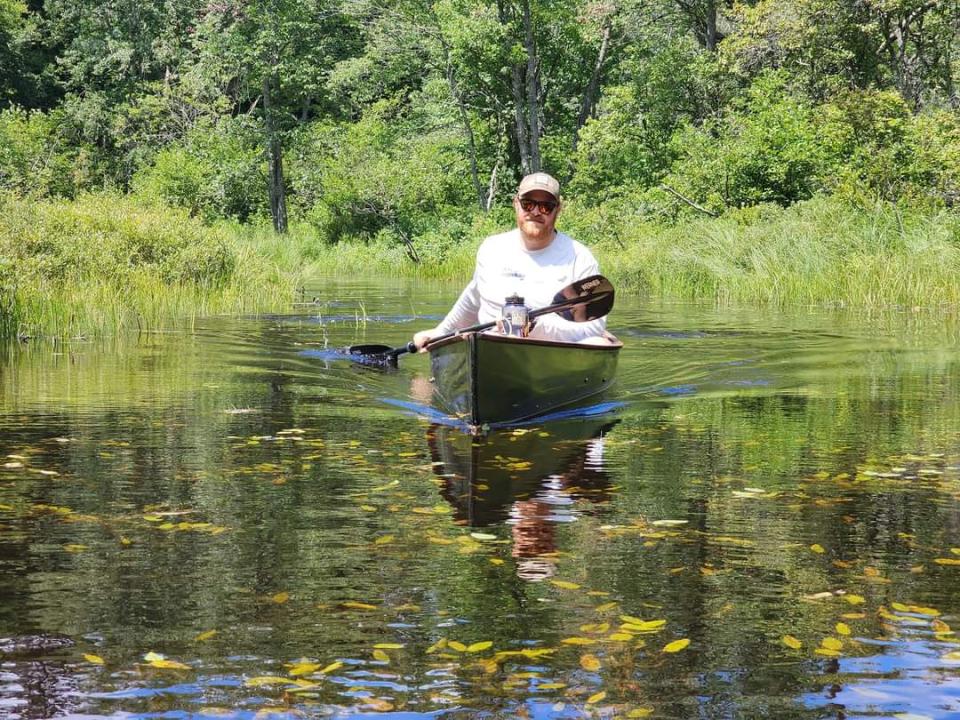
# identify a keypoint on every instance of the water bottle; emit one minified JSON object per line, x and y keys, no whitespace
{"x":514,"y":316}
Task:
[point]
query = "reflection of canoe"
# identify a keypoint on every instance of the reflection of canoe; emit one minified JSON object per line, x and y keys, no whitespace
{"x":486,"y":378}
{"x":483,"y":477}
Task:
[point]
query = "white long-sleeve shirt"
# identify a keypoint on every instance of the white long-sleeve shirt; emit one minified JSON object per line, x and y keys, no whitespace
{"x":505,"y":266}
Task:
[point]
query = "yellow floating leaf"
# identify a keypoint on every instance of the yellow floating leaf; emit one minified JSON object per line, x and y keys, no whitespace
{"x":384,"y":540}
{"x":676,"y":645}
{"x":205,"y":635}
{"x":75,"y":548}
{"x":169,"y":665}
{"x":817,"y":548}
{"x":438,"y":645}
{"x":331,"y":667}
{"x":631,"y":620}
{"x":791,"y":642}
{"x":480,"y":646}
{"x":827,"y":652}
{"x":551,"y":686}
{"x":596,"y":697}
{"x":620,"y":637}
{"x":951,"y":656}
{"x":357,"y":605}
{"x":940,"y":626}
{"x":389,"y":646}
{"x":644,"y":626}
{"x":456,"y":645}
{"x":578,"y":641}
{"x":955,"y":551}
{"x":304,"y":668}
{"x":606,"y":606}
{"x":496,"y":561}
{"x":900,"y":607}
{"x":152,"y":656}
{"x":381,"y":656}
{"x":565,"y":584}
{"x":640,"y":713}
{"x":95,"y":659}
{"x":265,"y":680}
{"x":832,"y":643}
{"x":590,"y":663}
{"x":947,"y":561}
{"x":280,"y":598}
{"x":854,"y":599}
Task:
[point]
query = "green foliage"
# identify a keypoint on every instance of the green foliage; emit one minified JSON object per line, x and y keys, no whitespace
{"x":355,"y":180}
{"x":766,"y":148}
{"x":215,"y":172}
{"x":35,"y":158}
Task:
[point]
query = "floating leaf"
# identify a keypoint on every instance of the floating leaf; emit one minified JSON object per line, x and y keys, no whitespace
{"x":606,"y":606}
{"x":169,"y":665}
{"x":480,"y":646}
{"x":854,"y":599}
{"x":590,"y":663}
{"x":947,"y":561}
{"x":95,"y":659}
{"x":265,"y":680}
{"x":791,"y":642}
{"x":357,"y":605}
{"x":640,"y":713}
{"x":331,"y":667}
{"x":827,"y":652}
{"x":669,"y":523}
{"x":578,"y":641}
{"x":384,"y":540}
{"x":831,"y":643}
{"x":456,"y":645}
{"x":205,"y":635}
{"x":304,"y":668}
{"x":596,"y":697}
{"x":842,"y":628}
{"x":482,"y":536}
{"x":280,"y":598}
{"x":676,"y":645}
{"x":152,"y":657}
{"x":565,"y":584}
{"x":389,"y":646}
{"x":438,"y":645}
{"x":381,"y":656}
{"x":647,"y":626}
{"x":75,"y":548}
{"x":817,"y":548}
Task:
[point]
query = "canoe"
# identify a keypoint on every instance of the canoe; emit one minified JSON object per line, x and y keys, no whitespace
{"x":488,"y":379}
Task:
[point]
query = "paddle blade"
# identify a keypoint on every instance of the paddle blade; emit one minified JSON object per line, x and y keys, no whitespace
{"x":585,"y":300}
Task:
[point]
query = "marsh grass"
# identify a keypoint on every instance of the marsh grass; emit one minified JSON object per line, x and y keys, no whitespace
{"x":103,"y":264}
{"x":816,"y":253}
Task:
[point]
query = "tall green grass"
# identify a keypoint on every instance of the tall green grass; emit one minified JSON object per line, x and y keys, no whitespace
{"x":101,"y":265}
{"x":822,"y":252}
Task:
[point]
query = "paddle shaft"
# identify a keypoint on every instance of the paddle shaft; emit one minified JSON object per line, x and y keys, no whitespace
{"x":410,"y":347}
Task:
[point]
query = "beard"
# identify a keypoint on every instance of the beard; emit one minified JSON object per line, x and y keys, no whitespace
{"x":535,"y":230}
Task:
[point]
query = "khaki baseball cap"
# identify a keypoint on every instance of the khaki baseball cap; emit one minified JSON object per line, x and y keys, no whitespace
{"x":539,"y":181}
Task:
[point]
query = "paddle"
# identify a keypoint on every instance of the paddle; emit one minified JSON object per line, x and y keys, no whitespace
{"x":581,"y":301}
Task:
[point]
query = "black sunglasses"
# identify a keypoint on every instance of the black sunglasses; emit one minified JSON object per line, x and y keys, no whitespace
{"x":546,"y":206}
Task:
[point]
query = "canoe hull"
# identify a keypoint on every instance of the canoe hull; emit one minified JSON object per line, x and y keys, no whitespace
{"x":487,"y":379}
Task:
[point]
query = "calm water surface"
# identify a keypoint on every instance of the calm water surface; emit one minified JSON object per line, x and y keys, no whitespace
{"x":233,"y":520}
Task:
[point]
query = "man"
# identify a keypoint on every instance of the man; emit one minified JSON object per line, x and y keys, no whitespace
{"x":533,"y":261}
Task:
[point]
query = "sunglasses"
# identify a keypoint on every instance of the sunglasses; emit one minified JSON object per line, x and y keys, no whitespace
{"x":546,"y":206}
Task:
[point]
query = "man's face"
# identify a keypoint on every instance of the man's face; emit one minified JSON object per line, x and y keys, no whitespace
{"x":536,"y":225}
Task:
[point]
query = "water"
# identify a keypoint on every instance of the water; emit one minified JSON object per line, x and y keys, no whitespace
{"x":234,"y":520}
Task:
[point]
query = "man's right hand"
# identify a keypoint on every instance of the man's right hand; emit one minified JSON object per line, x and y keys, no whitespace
{"x":421,"y":338}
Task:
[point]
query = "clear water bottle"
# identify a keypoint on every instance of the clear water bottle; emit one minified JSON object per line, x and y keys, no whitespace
{"x":514,"y":316}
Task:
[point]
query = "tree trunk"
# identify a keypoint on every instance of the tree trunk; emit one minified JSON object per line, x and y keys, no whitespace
{"x":532,"y":87}
{"x":590,"y":93}
{"x":467,"y":128}
{"x":275,"y":185}
{"x":710,"y":26}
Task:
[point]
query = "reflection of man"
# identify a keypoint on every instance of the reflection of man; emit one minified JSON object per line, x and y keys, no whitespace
{"x":533,"y":261}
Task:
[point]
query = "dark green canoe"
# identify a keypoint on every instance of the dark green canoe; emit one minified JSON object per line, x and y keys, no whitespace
{"x":487,"y":378}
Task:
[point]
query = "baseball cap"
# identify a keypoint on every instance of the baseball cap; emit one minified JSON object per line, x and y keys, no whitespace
{"x":539,"y":181}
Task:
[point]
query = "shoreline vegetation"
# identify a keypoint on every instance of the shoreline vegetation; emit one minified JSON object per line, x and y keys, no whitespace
{"x":105,"y":264}
{"x":163,"y":161}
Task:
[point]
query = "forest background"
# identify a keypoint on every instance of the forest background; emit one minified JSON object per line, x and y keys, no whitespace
{"x":181,"y":156}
